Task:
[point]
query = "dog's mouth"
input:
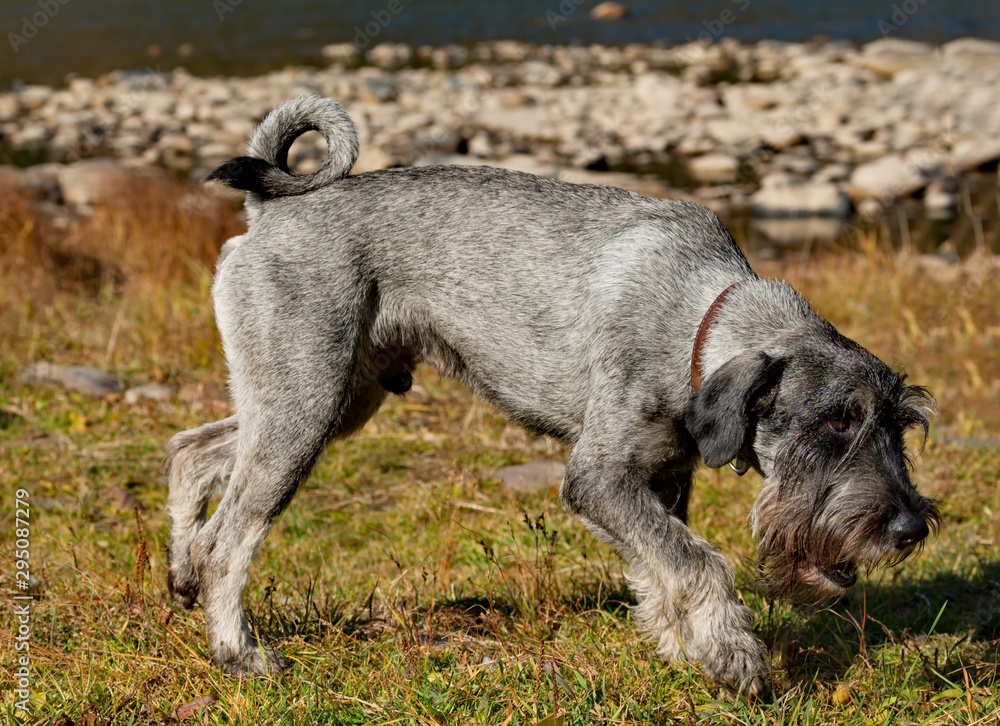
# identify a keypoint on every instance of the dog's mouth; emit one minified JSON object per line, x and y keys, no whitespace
{"x":843,"y":575}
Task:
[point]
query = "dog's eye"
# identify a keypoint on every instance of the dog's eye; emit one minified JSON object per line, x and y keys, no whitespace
{"x":840,"y":425}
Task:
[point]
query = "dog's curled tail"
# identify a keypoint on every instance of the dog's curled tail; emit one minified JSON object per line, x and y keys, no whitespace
{"x":264,"y":170}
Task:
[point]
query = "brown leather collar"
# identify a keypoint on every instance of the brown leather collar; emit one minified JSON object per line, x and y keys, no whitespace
{"x":706,"y":325}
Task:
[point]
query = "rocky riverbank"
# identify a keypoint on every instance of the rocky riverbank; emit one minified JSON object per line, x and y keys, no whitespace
{"x":821,"y":129}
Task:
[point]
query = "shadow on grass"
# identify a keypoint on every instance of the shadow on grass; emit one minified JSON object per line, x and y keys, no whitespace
{"x":901,"y":617}
{"x":893,"y":628}
{"x":489,"y":615}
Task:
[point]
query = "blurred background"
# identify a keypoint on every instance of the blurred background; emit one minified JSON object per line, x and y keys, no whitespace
{"x":234,"y":37}
{"x":799,"y":123}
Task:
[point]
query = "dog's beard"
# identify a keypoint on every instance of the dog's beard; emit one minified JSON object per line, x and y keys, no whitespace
{"x":809,"y":553}
{"x":789,"y":564}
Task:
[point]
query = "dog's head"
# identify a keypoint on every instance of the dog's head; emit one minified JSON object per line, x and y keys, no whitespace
{"x":824,"y":423}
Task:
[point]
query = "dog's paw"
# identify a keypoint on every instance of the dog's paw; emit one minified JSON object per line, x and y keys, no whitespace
{"x":741,"y":668}
{"x":729,"y":652}
{"x":259,"y":660}
{"x":182,"y":582}
{"x":736,"y":659}
{"x":716,"y":634}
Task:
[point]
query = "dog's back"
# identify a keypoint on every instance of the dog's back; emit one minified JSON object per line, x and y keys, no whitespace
{"x":539,"y":259}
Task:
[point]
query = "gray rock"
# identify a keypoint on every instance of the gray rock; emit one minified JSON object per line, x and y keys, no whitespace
{"x":784,"y":197}
{"x":150,"y":392}
{"x":888,"y":178}
{"x":89,"y":381}
{"x":533,"y":477}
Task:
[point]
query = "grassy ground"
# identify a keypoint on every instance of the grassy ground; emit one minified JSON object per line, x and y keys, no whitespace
{"x":405,"y":585}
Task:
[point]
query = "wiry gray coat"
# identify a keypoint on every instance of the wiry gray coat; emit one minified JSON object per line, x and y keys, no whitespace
{"x":574,"y":309}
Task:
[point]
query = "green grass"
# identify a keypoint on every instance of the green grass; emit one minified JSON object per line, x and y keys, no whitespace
{"x":404,"y":584}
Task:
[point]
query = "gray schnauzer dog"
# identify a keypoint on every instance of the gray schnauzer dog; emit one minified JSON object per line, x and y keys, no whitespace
{"x":632,"y":328}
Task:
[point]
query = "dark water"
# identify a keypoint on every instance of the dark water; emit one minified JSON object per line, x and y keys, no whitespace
{"x":90,"y":37}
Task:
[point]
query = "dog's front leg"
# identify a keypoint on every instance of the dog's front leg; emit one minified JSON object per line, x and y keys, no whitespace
{"x":687,"y":598}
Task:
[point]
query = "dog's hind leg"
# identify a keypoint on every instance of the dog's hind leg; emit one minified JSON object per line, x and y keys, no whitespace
{"x":293,"y":395}
{"x":200,"y":462}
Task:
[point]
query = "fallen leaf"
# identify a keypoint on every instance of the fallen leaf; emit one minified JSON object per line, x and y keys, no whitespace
{"x":190,"y":709}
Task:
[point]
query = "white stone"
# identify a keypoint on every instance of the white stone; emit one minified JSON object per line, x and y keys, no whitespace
{"x":714,"y":167}
{"x":530,"y":121}
{"x":976,"y":52}
{"x":93,"y":180}
{"x":800,"y":199}
{"x":888,"y":178}
{"x":889,"y":56}
{"x":970,"y":154}
{"x":800,"y":230}
{"x":608,"y":11}
{"x":340,"y":52}
{"x":941,"y":198}
{"x":150,"y":392}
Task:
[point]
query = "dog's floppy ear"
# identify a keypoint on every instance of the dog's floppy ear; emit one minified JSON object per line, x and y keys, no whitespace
{"x":720,"y":415}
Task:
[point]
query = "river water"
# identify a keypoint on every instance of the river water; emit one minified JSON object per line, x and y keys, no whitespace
{"x":47,"y":39}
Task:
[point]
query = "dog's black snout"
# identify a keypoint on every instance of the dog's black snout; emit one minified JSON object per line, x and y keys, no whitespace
{"x":908,"y":529}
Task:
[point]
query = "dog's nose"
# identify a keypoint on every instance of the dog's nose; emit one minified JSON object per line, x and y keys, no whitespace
{"x":908,"y":529}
